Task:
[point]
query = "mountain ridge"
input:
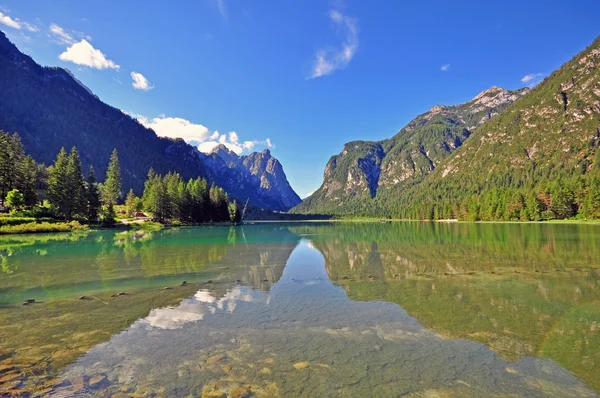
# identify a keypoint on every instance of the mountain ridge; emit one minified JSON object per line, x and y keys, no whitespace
{"x":49,"y":108}
{"x":533,"y":158}
{"x":257,"y":177}
{"x":412,"y":153}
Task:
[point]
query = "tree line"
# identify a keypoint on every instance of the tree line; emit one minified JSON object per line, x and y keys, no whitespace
{"x":73,"y":196}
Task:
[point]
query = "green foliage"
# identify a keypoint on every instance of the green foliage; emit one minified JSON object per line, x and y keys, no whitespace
{"x":112,"y":185}
{"x":57,"y":185}
{"x":93,"y":196}
{"x":130,"y":203}
{"x":234,"y":212}
{"x":170,"y":198}
{"x":42,"y":227}
{"x":108,"y":215}
{"x":17,"y":171}
{"x":15,"y":199}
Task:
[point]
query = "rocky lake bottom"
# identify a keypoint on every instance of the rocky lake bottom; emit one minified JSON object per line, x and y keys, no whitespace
{"x":304,"y":309}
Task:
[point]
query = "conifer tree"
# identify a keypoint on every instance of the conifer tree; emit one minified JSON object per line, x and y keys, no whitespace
{"x":75,"y":187}
{"x":130,"y":203}
{"x":112,"y":185}
{"x":93,"y":196}
{"x":57,"y":191}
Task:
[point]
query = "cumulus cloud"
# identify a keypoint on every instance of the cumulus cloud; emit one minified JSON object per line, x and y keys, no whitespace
{"x":329,"y":60}
{"x":8,"y":21}
{"x":175,"y":127}
{"x":61,"y":35}
{"x":198,"y":135}
{"x":533,"y":79}
{"x":83,"y":53}
{"x":140,"y":82}
{"x":445,"y":67}
{"x":232,"y":142}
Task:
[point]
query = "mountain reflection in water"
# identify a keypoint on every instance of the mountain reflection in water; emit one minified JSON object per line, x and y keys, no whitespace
{"x":317,"y":309}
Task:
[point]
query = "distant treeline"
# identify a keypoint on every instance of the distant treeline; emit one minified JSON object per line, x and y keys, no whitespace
{"x":68,"y":195}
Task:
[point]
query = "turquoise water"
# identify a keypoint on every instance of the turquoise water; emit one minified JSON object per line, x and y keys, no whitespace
{"x":310,"y":309}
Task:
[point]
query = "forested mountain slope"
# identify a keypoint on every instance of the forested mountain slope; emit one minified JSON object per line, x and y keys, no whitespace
{"x":364,"y":168}
{"x":50,"y":109}
{"x":537,"y":160}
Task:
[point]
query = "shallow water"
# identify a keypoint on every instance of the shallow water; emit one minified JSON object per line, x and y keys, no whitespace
{"x":322,"y":309}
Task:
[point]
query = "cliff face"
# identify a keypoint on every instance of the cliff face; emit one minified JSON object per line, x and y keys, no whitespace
{"x":364,"y":168}
{"x":258,"y":178}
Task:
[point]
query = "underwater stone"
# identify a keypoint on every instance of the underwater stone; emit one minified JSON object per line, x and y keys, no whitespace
{"x":301,"y":365}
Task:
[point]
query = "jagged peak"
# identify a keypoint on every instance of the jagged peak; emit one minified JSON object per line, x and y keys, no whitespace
{"x":437,"y":108}
{"x":490,"y":92}
{"x":222,"y":148}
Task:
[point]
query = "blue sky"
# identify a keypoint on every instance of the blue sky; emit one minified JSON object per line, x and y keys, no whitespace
{"x":300,"y":77}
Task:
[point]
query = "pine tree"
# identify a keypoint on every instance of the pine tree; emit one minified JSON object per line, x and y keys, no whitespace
{"x":12,"y":164}
{"x":93,"y":196}
{"x":28,"y":185}
{"x":108,"y":215}
{"x":130,"y":203}
{"x":57,"y":185}
{"x":533,"y":206}
{"x":112,"y":185}
{"x":75,"y":186}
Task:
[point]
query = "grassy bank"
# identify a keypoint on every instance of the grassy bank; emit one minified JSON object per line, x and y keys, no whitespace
{"x":41,"y":227}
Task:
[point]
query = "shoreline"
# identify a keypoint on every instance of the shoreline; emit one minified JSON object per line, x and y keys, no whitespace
{"x":155,"y":226}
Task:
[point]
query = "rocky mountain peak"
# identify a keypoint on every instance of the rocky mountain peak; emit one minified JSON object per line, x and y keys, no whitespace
{"x":257,"y":177}
{"x":222,"y":148}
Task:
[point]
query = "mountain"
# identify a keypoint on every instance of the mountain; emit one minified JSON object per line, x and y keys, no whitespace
{"x":365,"y":168}
{"x":258,"y":178}
{"x":538,"y":159}
{"x":50,"y":109}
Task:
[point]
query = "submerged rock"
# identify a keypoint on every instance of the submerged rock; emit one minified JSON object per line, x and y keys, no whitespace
{"x":301,"y":365}
{"x":240,"y":392}
{"x":215,"y":358}
{"x":97,"y":381}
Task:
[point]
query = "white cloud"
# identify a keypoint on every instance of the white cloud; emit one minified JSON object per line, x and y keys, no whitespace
{"x":8,"y":21}
{"x":83,"y":53}
{"x":199,"y":135}
{"x":232,"y":142}
{"x":61,"y":35}
{"x":327,"y":60}
{"x":533,"y":79}
{"x":30,"y":27}
{"x":176,"y":127}
{"x":222,"y":8}
{"x":445,"y":67}
{"x":140,"y":82}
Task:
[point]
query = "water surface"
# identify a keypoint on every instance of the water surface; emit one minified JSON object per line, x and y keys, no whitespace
{"x":321,"y":309}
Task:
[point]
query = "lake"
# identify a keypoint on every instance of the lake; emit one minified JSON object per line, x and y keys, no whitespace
{"x":304,"y":309}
